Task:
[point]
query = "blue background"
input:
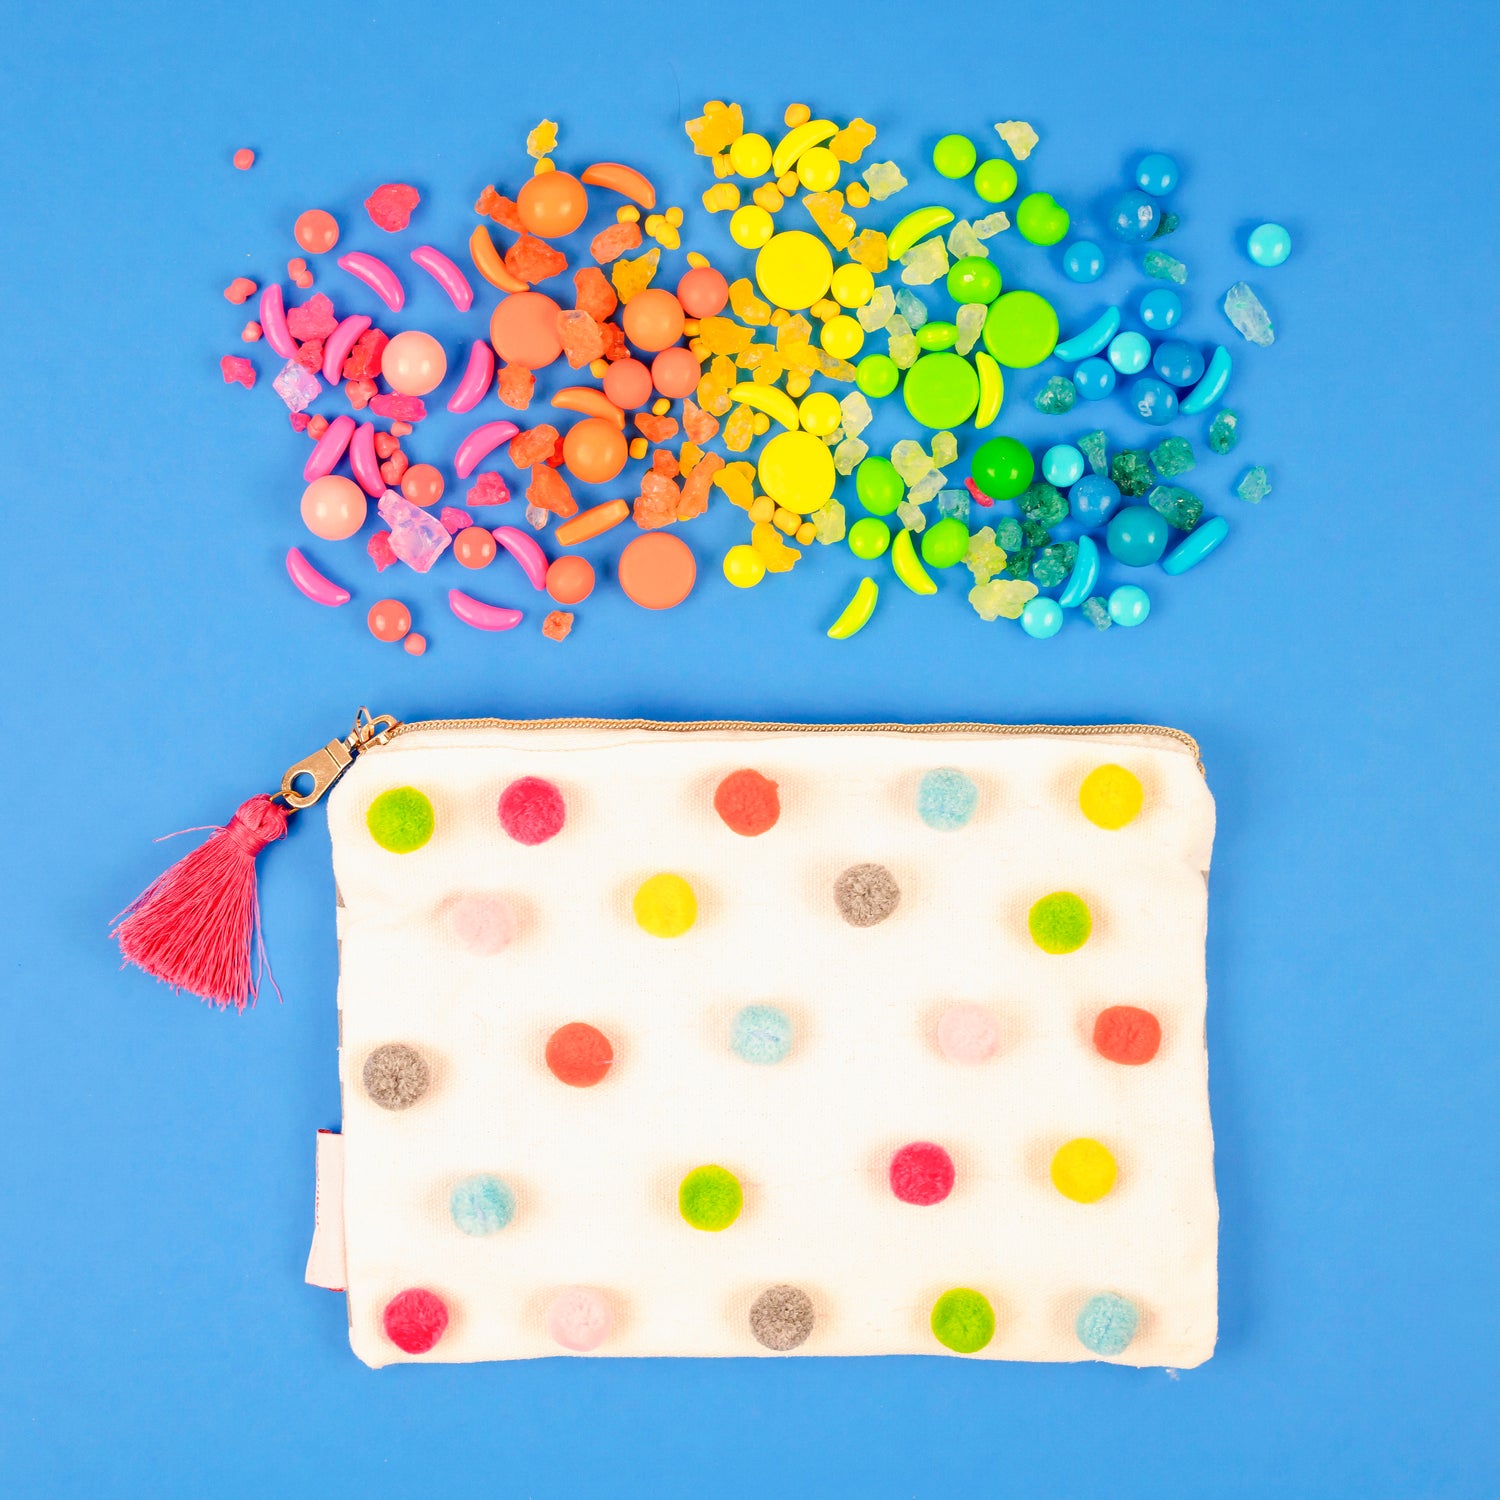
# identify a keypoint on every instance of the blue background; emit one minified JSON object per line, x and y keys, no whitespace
{"x":1334,"y":660}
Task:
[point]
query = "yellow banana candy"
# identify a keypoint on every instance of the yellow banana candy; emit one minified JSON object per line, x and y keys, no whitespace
{"x":919,"y":223}
{"x":769,"y":399}
{"x":857,"y":611}
{"x":908,"y":565}
{"x":797,"y":140}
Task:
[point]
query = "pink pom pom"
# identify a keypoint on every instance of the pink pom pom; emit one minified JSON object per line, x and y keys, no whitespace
{"x":484,"y":925}
{"x":532,"y":810}
{"x":922,"y":1173}
{"x":968,"y":1034}
{"x":580,"y":1318}
{"x":415,"y":1319}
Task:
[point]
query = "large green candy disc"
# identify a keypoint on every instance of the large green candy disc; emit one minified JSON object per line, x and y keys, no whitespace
{"x":942,"y":390}
{"x":1020,"y":330}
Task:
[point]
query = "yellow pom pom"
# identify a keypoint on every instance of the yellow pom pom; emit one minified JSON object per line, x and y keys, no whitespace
{"x":1083,"y":1170}
{"x":1111,"y":796}
{"x":665,"y":906}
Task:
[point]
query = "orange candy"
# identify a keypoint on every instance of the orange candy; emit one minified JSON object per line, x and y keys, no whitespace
{"x":594,"y":450}
{"x":523,"y":329}
{"x":595,"y":295}
{"x":594,"y":522}
{"x":515,"y":386}
{"x":244,"y":158}
{"x":415,"y":644}
{"x":627,"y":383}
{"x":422,"y":484}
{"x":316,"y":231}
{"x":657,"y":571}
{"x":570,"y":580}
{"x":653,"y":319}
{"x":703,"y":292}
{"x":536,"y":445}
{"x":675,"y":372}
{"x":474,"y":547}
{"x":609,"y":244}
{"x":389,"y":619}
{"x":552,"y":205}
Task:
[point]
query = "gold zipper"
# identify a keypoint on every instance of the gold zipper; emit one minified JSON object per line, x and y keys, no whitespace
{"x":325,"y":766}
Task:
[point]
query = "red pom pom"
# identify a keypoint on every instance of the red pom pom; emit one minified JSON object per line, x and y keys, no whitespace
{"x":921,"y":1173}
{"x":415,"y":1319}
{"x":579,"y":1054}
{"x":1127,"y":1034}
{"x":532,"y":810}
{"x":747,"y":802}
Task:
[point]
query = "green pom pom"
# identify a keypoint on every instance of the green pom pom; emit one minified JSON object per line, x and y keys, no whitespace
{"x":710,"y":1198}
{"x":963,"y":1320}
{"x":1060,"y":923}
{"x":400,"y":820}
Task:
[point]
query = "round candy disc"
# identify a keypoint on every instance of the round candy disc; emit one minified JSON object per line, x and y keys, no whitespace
{"x":1020,"y":329}
{"x":941,"y":390}
{"x":793,"y":269}
{"x":523,"y":329}
{"x":796,"y":470}
{"x":657,"y":571}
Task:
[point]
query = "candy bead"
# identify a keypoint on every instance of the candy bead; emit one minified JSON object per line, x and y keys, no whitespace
{"x":877,"y":375}
{"x":413,"y":363}
{"x":1107,"y":1323}
{"x":1129,"y":604}
{"x":954,"y":156}
{"x":1269,"y":244}
{"x":1041,"y":617}
{"x":750,"y":226}
{"x":793,"y":269}
{"x":1177,"y":363}
{"x":937,"y":333}
{"x":1003,"y":468}
{"x":995,"y":180}
{"x":1041,"y":219}
{"x":1062,"y":465}
{"x":389,"y":620}
{"x":1130,"y":352}
{"x":1134,"y":216}
{"x":1093,"y":499}
{"x":869,"y":538}
{"x":842,"y":337}
{"x":1020,"y":329}
{"x":1083,"y":261}
{"x":333,"y":507}
{"x":1154,"y":400}
{"x":945,"y":542}
{"x":941,"y":390}
{"x":1095,"y":379}
{"x":1156,"y":174}
{"x":881,"y":489}
{"x":972,"y":278}
{"x":852,"y":286}
{"x":1136,"y":536}
{"x":1161,"y":309}
{"x":1084,"y":1170}
{"x":1197,"y":545}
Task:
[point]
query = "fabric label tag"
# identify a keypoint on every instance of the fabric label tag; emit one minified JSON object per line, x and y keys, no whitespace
{"x":325,"y":1261}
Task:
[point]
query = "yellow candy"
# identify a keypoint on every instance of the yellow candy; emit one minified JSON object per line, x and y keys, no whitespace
{"x":796,"y":471}
{"x":751,"y":155}
{"x":723,"y":167}
{"x":859,"y":195}
{"x":632,"y":276}
{"x":778,"y":557}
{"x":824,"y":309}
{"x":1111,"y":796}
{"x":786,"y":520}
{"x":793,"y":268}
{"x":762,"y":508}
{"x":744,"y":567}
{"x":852,"y":286}
{"x":819,"y":413}
{"x":751,"y":226}
{"x":797,"y":383}
{"x":787,"y":184}
{"x":598,"y":367}
{"x":796,"y":114}
{"x":542,"y":139}
{"x":739,"y":429}
{"x":761,"y":423}
{"x":697,"y":259}
{"x":723,"y":336}
{"x":721,"y":196}
{"x":851,"y":141}
{"x":717,"y":128}
{"x":827,"y":210}
{"x":779,"y":316}
{"x":638,"y":447}
{"x":674,"y":217}
{"x":868,"y":248}
{"x":842,"y":337}
{"x":769,"y":197}
{"x":747,"y":307}
{"x":818,"y":169}
{"x":665,"y":906}
{"x":806,"y":532}
{"x":735,"y":480}
{"x":660,"y":408}
{"x":688,"y":457}
{"x":791,"y":331}
{"x":630,"y":214}
{"x":1083,"y":1170}
{"x":545,"y":165}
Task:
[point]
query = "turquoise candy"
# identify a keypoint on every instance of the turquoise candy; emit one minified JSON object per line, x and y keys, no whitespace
{"x":1129,"y":604}
{"x":1161,"y":309}
{"x":1062,"y":465}
{"x":1008,"y":534}
{"x":1041,"y":617}
{"x":1211,"y":387}
{"x":1083,"y":261}
{"x":1094,"y":378}
{"x":1044,"y":505}
{"x":1156,"y":174}
{"x":1154,"y":400}
{"x":1136,"y":536}
{"x":1131,"y":471}
{"x":1191,"y":551}
{"x":482,"y":1205}
{"x":1178,"y":507}
{"x":1177,"y":363}
{"x":1107,"y":1324}
{"x":1054,"y":563}
{"x":1096,"y":612}
{"x":1085,"y":574}
{"x":1093,"y":338}
{"x":1130,"y":353}
{"x":946,"y":799}
{"x":1269,"y":244}
{"x":1059,"y":395}
{"x":1133,"y":216}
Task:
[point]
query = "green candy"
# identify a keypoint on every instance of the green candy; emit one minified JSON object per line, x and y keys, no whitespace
{"x":936,"y":334}
{"x":941,"y":390}
{"x":972,"y":278}
{"x":869,"y":538}
{"x":1041,"y":219}
{"x":1131,"y":472}
{"x":879,"y":487}
{"x":1003,"y":468}
{"x":945,"y":542}
{"x":877,"y":375}
{"x":1044,"y":505}
{"x":995,"y":180}
{"x":1020,"y":329}
{"x":954,"y":156}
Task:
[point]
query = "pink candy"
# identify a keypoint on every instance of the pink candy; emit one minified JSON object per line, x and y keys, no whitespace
{"x":477,"y":376}
{"x":376,"y":275}
{"x":329,"y":449}
{"x":273,"y":322}
{"x":446,"y":274}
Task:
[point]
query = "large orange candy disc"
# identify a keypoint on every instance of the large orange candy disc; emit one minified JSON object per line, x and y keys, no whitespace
{"x":657,"y":570}
{"x":552,"y":204}
{"x":523,"y":329}
{"x":594,"y":450}
{"x":653,"y":319}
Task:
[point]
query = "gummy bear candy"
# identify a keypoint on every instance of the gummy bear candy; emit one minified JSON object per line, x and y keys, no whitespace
{"x":360,"y":391}
{"x":983,"y":558}
{"x":827,"y":210}
{"x":541,"y":139}
{"x":829,"y":522}
{"x":739,"y":430}
{"x":868,"y":248}
{"x":632,"y":276}
{"x":454,"y":519}
{"x":593,"y":294}
{"x":699,"y":426}
{"x":391,"y":204}
{"x":746,"y":306}
{"x":549,"y":491}
{"x":532,"y":260}
{"x":1001,"y":598}
{"x":736,"y":480}
{"x":849,"y":144}
{"x":313,"y":319}
{"x":716,"y":129}
{"x":581,"y":337}
{"x":850,"y":454}
{"x":499,"y":208}
{"x":515,"y":386}
{"x":655,"y":429}
{"x":1019,"y":136}
{"x":613,"y":242}
{"x":774,"y":553}
{"x":883,"y":178}
{"x":722,"y":197}
{"x":696,"y":486}
{"x":723,"y":336}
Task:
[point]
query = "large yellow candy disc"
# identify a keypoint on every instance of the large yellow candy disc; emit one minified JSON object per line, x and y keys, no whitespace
{"x":796,"y":470}
{"x":793,"y":269}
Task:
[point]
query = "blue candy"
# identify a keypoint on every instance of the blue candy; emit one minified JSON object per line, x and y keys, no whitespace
{"x":1130,"y":353}
{"x":1083,"y":260}
{"x":482,"y":1204}
{"x":1177,"y":363}
{"x":1134,"y":216}
{"x":1154,"y":400}
{"x":1093,"y":499}
{"x":1156,"y":174}
{"x":1107,"y":1324}
{"x":761,"y":1034}
{"x":1198,"y":543}
{"x":1137,"y":536}
{"x":1129,"y":604}
{"x":1269,"y":245}
{"x":1161,"y":309}
{"x":1061,"y":465}
{"x":946,"y":799}
{"x":1211,"y":387}
{"x":1093,"y":338}
{"x":1094,"y":378}
{"x":1041,"y":617}
{"x":1084,"y":576}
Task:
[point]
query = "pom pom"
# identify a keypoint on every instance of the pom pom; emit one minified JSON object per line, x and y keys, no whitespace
{"x":1111,"y":797}
{"x":483,"y":925}
{"x":579,"y":1054}
{"x":482,"y":1204}
{"x":665,"y":906}
{"x":866,"y":895}
{"x":747,"y":802}
{"x":946,"y":799}
{"x":1060,"y":923}
{"x":781,"y":1318}
{"x":1127,"y":1034}
{"x":400,"y":820}
{"x":922,"y":1173}
{"x":710,"y":1198}
{"x":532,"y":810}
{"x":963,"y":1320}
{"x":1107,"y":1324}
{"x":1084,"y":1170}
{"x":968,"y":1034}
{"x":396,"y":1076}
{"x":580,"y":1318}
{"x":415,"y":1320}
{"x":761,"y":1034}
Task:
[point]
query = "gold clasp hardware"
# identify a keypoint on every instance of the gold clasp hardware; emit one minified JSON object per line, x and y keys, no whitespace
{"x":324,"y":767}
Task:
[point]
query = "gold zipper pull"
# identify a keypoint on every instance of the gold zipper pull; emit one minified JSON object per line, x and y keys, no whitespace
{"x":324,"y":767}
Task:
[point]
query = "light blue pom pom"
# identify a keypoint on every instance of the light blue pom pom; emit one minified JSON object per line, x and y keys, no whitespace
{"x":482,"y":1204}
{"x":761,"y":1034}
{"x":1107,"y":1323}
{"x":946,"y":799}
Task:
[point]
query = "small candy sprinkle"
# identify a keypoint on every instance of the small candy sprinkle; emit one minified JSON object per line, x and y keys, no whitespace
{"x":244,"y":159}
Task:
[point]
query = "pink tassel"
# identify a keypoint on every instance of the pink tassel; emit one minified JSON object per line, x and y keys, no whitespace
{"x":196,"y":924}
